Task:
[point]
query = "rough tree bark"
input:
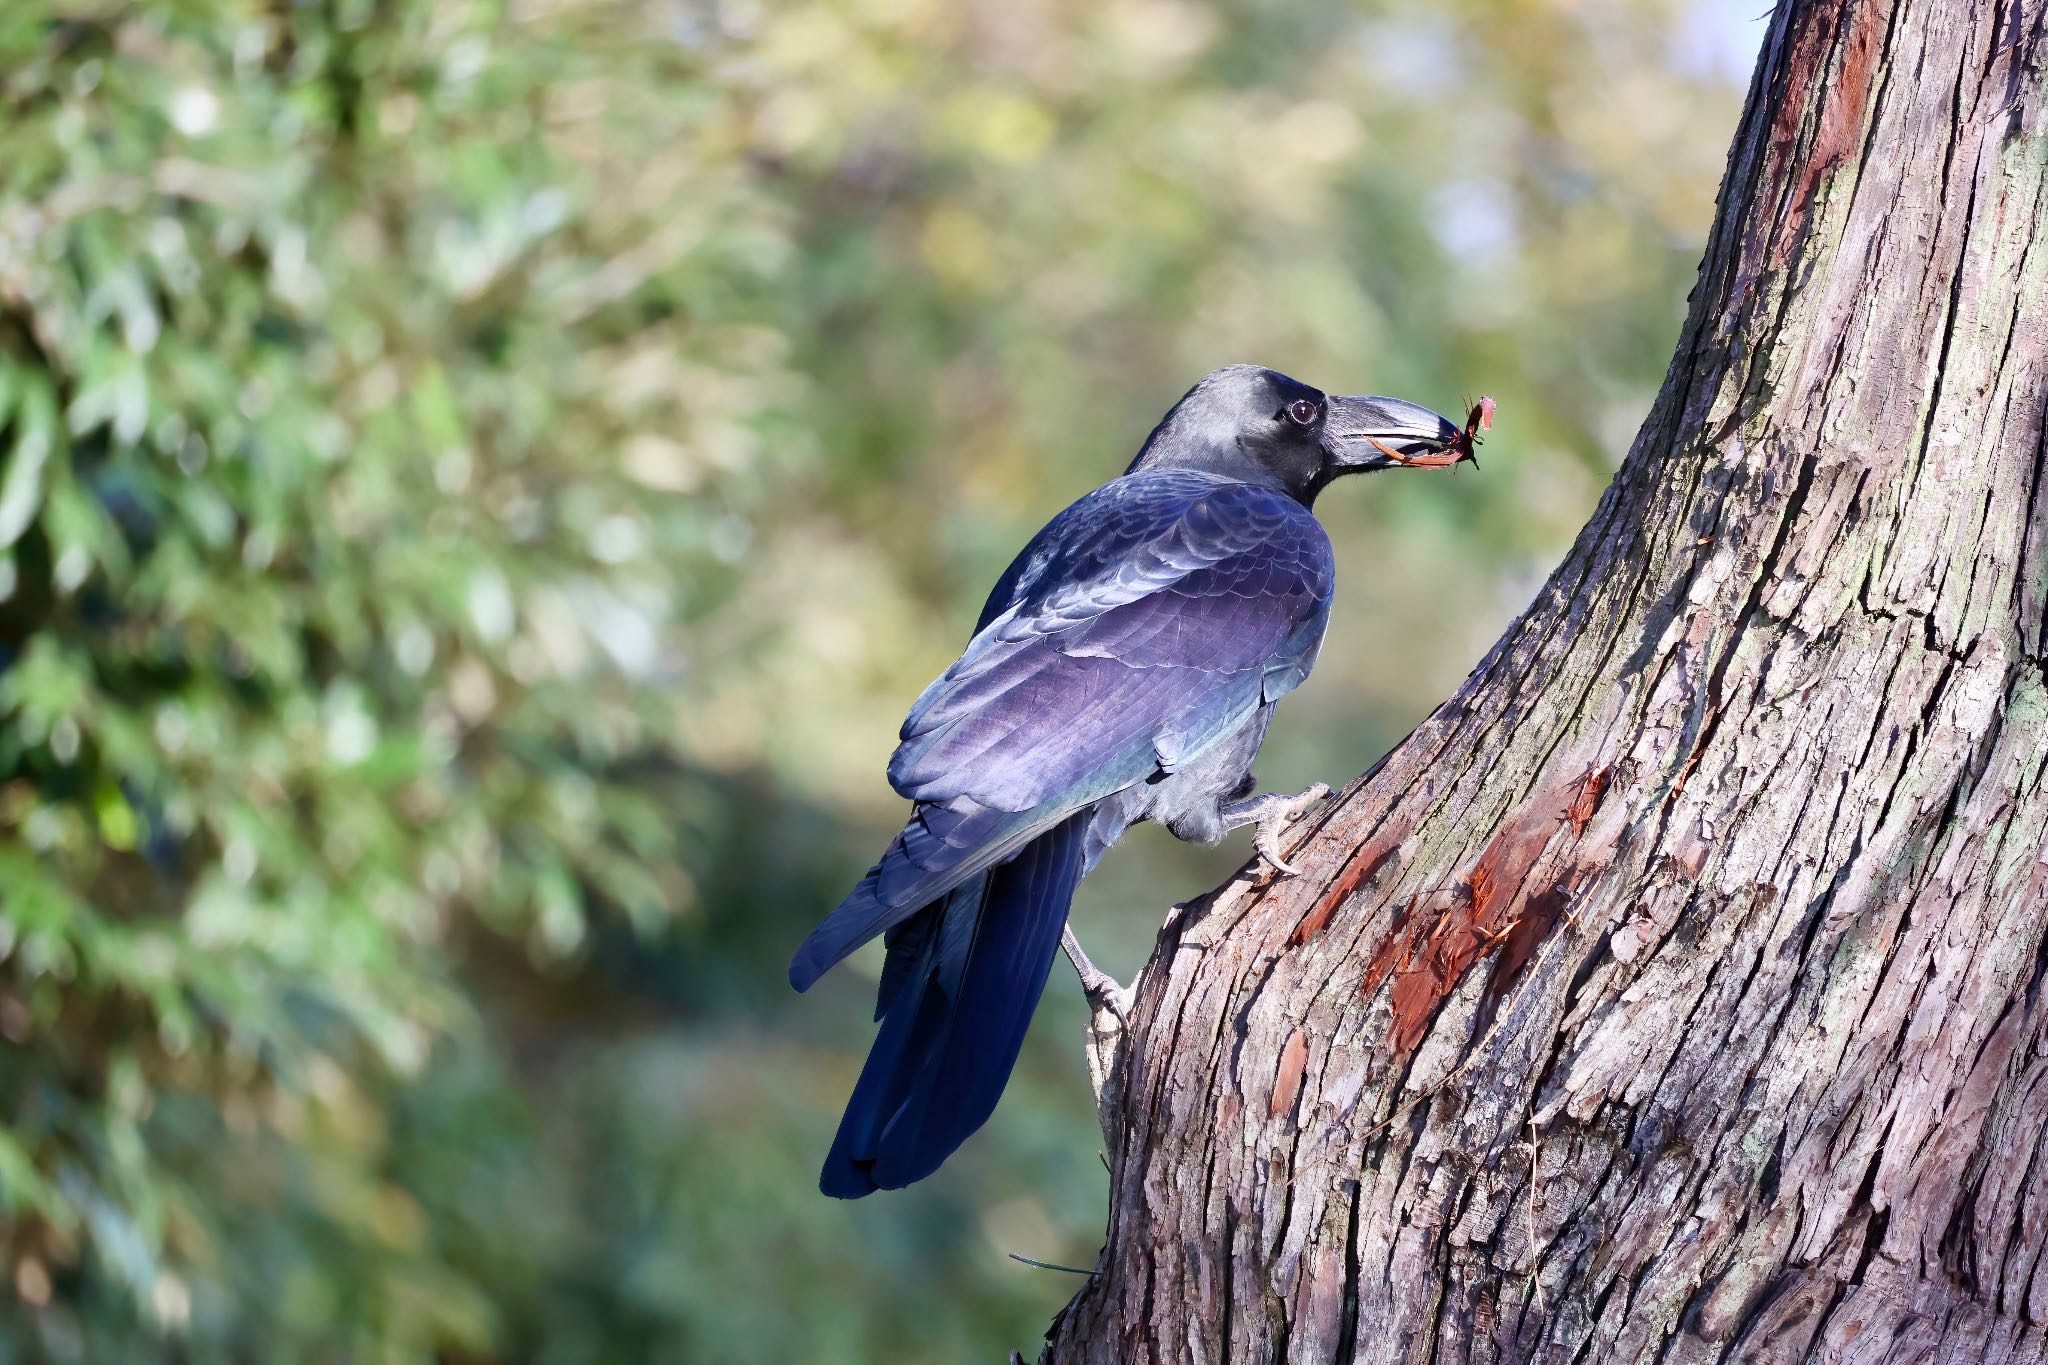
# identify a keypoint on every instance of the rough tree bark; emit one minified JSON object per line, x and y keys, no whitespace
{"x":1675,"y":990}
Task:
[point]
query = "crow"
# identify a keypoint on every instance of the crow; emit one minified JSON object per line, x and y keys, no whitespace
{"x":1125,"y":668}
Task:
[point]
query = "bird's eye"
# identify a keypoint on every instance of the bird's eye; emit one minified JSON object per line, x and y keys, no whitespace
{"x":1302,"y":411}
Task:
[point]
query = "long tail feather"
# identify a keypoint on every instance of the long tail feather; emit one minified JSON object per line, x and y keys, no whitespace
{"x":943,"y":846}
{"x":953,"y":1023}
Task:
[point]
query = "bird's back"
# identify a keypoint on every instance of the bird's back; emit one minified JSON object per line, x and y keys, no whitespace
{"x":1150,"y":622}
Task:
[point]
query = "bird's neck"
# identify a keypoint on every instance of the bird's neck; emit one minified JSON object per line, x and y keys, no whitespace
{"x":1299,"y":478}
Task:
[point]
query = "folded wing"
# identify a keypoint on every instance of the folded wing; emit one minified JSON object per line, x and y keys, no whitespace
{"x":1144,"y":623}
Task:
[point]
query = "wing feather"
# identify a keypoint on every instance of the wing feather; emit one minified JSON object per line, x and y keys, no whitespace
{"x":1143,"y":622}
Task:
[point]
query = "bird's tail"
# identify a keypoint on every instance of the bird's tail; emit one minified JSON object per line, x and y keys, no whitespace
{"x":962,"y":979}
{"x":944,"y":845}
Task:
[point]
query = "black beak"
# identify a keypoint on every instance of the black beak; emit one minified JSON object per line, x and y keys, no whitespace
{"x":1365,"y":432}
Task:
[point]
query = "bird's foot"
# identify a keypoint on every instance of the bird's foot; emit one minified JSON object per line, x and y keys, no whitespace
{"x":1109,"y":1005}
{"x":1099,"y":986}
{"x":1272,"y":814}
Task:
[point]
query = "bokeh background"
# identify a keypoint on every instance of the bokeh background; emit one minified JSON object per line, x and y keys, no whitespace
{"x":482,"y":481}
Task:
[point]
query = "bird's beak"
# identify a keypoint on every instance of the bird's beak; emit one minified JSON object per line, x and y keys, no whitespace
{"x":1365,"y":431}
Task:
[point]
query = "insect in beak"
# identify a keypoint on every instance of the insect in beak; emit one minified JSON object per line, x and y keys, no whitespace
{"x":1465,"y":447}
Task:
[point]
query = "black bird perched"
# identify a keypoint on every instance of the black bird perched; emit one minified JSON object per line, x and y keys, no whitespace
{"x":1125,"y":669}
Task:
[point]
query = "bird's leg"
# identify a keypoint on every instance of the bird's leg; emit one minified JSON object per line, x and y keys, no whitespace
{"x":1272,"y":814}
{"x":1099,"y":986}
{"x":1108,"y":1004}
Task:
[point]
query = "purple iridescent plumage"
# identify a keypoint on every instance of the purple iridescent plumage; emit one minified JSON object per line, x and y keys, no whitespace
{"x":1150,"y":619}
{"x":1147,"y":621}
{"x":1124,"y":669}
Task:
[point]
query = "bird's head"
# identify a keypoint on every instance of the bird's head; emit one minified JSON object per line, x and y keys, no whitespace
{"x":1260,"y":425}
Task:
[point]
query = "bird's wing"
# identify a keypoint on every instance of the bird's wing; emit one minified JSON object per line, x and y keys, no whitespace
{"x":1145,"y":623}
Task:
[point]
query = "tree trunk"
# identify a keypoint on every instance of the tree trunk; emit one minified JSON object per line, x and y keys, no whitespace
{"x":1675,"y":990}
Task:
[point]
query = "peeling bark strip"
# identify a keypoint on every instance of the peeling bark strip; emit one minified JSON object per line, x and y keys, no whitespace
{"x":1494,"y":907}
{"x":1676,"y":991}
{"x":1837,"y":113}
{"x":1287,"y":1082}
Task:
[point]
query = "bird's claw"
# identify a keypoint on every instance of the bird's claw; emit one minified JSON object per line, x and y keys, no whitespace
{"x":1272,"y":815}
{"x":1268,"y":844}
{"x":1102,"y":989}
{"x":1109,"y":1008}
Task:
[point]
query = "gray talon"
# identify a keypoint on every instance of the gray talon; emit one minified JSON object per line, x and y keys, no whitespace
{"x":1268,"y":845}
{"x":1099,"y":986}
{"x":1272,"y":814}
{"x":1109,"y":1007}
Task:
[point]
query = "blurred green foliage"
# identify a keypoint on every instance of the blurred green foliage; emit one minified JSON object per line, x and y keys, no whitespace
{"x":482,"y":481}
